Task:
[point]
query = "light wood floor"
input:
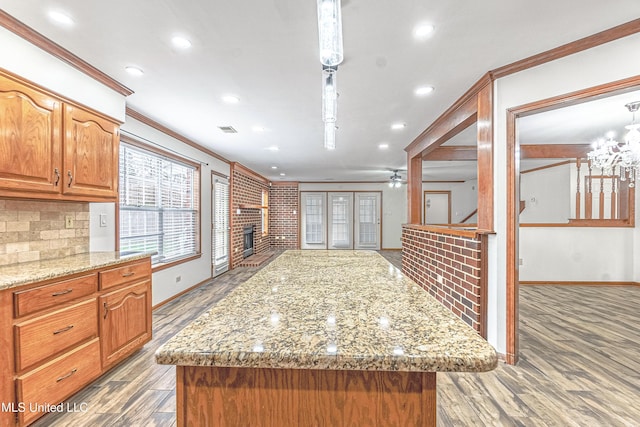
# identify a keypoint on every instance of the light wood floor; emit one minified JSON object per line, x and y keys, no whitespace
{"x":579,"y":365}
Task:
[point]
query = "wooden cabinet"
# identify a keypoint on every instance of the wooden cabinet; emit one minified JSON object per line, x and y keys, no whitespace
{"x":30,"y":139}
{"x":90,"y":154}
{"x":52,"y":149}
{"x":125,"y":321}
{"x":58,"y":335}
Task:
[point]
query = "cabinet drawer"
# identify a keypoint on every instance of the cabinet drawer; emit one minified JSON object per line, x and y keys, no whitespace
{"x":32,"y":300}
{"x":125,"y":274}
{"x":45,"y":336}
{"x":58,"y":379}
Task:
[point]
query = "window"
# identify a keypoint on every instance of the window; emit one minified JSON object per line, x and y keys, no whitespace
{"x":159,"y":208}
{"x":314,"y":218}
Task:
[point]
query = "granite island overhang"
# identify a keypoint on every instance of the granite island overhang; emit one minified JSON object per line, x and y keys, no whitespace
{"x":321,"y":338}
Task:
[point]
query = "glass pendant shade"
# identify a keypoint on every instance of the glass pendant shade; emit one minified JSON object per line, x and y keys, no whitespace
{"x":330,"y":32}
{"x":329,"y":96}
{"x":330,"y":135}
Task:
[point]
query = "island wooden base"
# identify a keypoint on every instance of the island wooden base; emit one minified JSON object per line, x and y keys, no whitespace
{"x":213,"y":396}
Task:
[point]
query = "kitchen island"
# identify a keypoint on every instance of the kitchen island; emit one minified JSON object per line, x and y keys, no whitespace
{"x":323,"y":338}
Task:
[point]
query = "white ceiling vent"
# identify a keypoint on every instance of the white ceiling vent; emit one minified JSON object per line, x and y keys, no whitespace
{"x":227,"y":129}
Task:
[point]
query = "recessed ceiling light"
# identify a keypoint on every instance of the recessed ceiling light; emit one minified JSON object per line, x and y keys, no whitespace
{"x":383,"y":146}
{"x":397,"y":126}
{"x":272,"y":148}
{"x":61,"y":18}
{"x":423,"y":90}
{"x":282,"y":174}
{"x":134,"y":71}
{"x":258,"y":129}
{"x":422,"y":31}
{"x":231,"y":99}
{"x":274,"y":167}
{"x":181,"y":42}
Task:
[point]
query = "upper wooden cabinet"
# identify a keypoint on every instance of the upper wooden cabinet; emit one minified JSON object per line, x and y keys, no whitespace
{"x":30,"y":139}
{"x":90,"y":154}
{"x":53,"y":149}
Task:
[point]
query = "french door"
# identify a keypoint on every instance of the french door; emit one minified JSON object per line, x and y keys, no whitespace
{"x":219,"y":225}
{"x":340,"y":220}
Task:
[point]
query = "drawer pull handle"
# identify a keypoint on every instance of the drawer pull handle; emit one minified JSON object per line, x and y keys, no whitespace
{"x":128,"y":274}
{"x":106,"y":311}
{"x":59,"y":331}
{"x":64,"y":377}
{"x":70,"y":178}
{"x":66,"y":291}
{"x":57,"y":173}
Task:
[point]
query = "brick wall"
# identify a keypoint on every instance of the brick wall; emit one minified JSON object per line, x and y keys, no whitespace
{"x":246,"y":190}
{"x":449,"y":268}
{"x":283,"y":215}
{"x":35,"y":230}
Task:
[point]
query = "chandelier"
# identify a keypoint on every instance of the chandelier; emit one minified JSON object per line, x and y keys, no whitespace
{"x":620,"y":158}
{"x":331,"y":55}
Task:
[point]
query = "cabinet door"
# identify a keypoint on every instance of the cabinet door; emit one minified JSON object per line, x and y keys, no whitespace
{"x":125,"y":321}
{"x":30,"y":141}
{"x":90,"y":155}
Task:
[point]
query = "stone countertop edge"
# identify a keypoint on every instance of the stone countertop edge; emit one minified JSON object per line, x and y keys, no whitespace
{"x":433,"y":339}
{"x":15,"y":275}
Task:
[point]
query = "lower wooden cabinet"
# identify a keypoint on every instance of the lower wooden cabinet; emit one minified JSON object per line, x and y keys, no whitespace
{"x":125,"y":321}
{"x":58,"y":335}
{"x":58,"y":379}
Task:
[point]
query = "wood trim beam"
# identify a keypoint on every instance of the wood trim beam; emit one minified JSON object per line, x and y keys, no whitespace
{"x":485,"y":157}
{"x":414,"y":189}
{"x":453,"y":152}
{"x":240,"y":168}
{"x":152,"y":123}
{"x":579,"y":45}
{"x":554,"y":151}
{"x":451,"y":121}
{"x":552,"y":165}
{"x":32,"y":36}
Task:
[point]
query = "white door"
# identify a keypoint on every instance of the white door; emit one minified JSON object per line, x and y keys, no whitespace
{"x":437,"y":207}
{"x":340,"y":221}
{"x":313,"y":220}
{"x":220,"y":226}
{"x":367,"y":221}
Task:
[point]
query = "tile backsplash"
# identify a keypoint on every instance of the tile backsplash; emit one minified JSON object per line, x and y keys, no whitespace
{"x":37,"y":230}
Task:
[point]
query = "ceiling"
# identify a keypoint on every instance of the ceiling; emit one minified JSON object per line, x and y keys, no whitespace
{"x":266,"y":53}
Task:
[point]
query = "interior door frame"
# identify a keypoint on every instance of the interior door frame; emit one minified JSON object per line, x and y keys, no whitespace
{"x":513,"y":193}
{"x":424,"y":199}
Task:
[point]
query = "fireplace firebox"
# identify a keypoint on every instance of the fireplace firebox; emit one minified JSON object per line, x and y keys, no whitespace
{"x":247,"y":247}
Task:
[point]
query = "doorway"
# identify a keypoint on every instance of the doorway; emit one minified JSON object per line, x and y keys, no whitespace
{"x":340,"y":220}
{"x":219,"y":225}
{"x":437,"y":207}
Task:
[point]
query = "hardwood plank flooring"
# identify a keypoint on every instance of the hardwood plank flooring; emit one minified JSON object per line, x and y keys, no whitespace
{"x":579,"y":365}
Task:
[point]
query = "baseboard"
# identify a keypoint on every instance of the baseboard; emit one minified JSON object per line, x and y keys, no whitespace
{"x":576,"y":283}
{"x":179,"y":294}
{"x":391,"y":249}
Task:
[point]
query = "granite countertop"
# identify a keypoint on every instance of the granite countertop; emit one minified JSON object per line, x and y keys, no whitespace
{"x":15,"y":275}
{"x":330,"y":310}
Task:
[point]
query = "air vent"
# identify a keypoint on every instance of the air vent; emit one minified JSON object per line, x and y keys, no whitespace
{"x":227,"y":129}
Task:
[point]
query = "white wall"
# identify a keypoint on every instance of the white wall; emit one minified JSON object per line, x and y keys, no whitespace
{"x":464,"y":197}
{"x":593,"y":67}
{"x":576,"y":254}
{"x":30,"y":62}
{"x":547,"y":195}
{"x":192,"y":272}
{"x":394,"y":206}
